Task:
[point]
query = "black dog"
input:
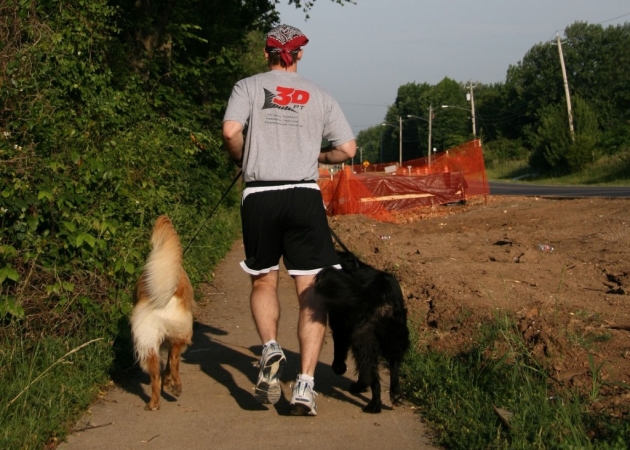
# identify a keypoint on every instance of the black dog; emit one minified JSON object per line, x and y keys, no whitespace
{"x":366,"y":313}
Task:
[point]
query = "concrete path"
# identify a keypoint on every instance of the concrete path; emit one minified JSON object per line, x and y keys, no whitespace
{"x":217,"y":409}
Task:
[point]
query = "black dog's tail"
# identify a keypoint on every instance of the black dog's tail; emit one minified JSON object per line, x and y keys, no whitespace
{"x":338,"y":290}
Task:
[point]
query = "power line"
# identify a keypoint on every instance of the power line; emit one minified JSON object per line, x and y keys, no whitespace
{"x":496,"y":119}
{"x":362,"y":104}
{"x":615,"y":18}
{"x":552,"y":39}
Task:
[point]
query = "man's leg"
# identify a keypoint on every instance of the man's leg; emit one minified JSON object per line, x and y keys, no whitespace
{"x":311,"y":323}
{"x":265,"y":305}
{"x":266,"y":312}
{"x":311,"y":332}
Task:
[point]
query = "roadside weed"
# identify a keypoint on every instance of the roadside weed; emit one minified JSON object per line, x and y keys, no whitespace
{"x":45,"y":385}
{"x":497,"y":396}
{"x":596,"y":376}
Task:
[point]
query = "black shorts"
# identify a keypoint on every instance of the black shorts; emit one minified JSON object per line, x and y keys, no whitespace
{"x":285,"y":219}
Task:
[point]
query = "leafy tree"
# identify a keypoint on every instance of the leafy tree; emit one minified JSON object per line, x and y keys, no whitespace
{"x":448,"y":128}
{"x":253,"y":60}
{"x":501,"y":150}
{"x":531,"y":85}
{"x":409,"y":100}
{"x":495,"y":121}
{"x":369,"y":140}
{"x":451,"y":126}
{"x":597,"y":62}
{"x":552,"y":139}
{"x":556,"y":148}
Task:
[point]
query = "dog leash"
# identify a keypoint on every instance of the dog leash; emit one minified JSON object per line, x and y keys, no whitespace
{"x":334,"y":235}
{"x":238,"y":175}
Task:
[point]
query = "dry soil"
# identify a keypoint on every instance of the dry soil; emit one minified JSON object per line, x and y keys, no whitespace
{"x":461,"y":265}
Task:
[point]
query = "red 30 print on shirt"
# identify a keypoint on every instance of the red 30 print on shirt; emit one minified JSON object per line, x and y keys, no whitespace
{"x":286,"y":98}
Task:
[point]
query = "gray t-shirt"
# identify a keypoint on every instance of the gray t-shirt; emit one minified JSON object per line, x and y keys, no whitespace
{"x":286,"y":117}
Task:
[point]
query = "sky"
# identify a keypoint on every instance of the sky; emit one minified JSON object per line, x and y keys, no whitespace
{"x":363,"y":53}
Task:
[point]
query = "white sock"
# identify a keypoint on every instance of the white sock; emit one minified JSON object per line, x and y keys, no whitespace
{"x":309,"y":379}
{"x":268,"y":343}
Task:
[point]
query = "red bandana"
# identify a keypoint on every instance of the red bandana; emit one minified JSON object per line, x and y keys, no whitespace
{"x":285,"y":39}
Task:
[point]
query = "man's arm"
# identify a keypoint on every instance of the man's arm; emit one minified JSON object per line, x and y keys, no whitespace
{"x":339,"y":153}
{"x":233,"y":139}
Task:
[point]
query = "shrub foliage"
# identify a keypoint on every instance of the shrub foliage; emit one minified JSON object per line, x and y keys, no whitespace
{"x":103,"y":126}
{"x":96,"y":140}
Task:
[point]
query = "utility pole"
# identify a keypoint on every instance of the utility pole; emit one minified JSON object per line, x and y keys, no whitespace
{"x":400,"y":143}
{"x":472,"y":109}
{"x":380,"y":157}
{"x":566,"y":88}
{"x":430,"y":124}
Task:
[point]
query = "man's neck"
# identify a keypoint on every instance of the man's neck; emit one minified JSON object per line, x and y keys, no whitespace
{"x":291,"y":68}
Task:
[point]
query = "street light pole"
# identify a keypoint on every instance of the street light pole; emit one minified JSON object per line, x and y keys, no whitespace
{"x":400,"y":141}
{"x":380,"y":158}
{"x":430,"y":120}
{"x":430,"y":126}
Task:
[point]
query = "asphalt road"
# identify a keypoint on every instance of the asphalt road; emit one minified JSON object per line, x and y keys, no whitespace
{"x":522,"y":189}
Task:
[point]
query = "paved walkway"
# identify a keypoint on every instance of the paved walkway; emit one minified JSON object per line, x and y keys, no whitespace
{"x":217,"y":409}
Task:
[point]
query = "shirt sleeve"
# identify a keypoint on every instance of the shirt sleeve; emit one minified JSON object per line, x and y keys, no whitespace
{"x":239,"y":107}
{"x":337,"y":130}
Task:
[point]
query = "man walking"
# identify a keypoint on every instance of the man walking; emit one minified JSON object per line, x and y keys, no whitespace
{"x":282,"y":212}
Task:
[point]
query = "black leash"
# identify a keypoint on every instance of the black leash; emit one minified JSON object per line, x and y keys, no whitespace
{"x":240,"y":172}
{"x":334,"y":235}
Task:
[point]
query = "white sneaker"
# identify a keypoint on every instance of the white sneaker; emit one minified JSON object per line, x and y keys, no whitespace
{"x":303,"y":399}
{"x":272,"y":364}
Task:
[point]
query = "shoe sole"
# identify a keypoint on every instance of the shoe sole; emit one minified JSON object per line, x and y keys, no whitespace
{"x":268,"y":390}
{"x":300,"y":409}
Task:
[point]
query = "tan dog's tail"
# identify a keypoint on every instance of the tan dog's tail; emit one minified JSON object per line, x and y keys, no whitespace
{"x":163,"y":267}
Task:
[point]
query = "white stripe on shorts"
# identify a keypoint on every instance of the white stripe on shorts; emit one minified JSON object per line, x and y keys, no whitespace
{"x":258,"y":272}
{"x":311,"y":272}
{"x":253,"y":190}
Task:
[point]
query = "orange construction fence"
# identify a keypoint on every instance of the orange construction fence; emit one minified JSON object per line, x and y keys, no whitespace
{"x":379,"y":190}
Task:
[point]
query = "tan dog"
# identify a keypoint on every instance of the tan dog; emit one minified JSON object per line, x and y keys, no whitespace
{"x":162,"y":315}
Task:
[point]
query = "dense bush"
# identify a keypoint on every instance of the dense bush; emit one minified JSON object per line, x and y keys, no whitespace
{"x":555,"y":147}
{"x":88,"y":162}
{"x":503,"y":150}
{"x":97,"y":138}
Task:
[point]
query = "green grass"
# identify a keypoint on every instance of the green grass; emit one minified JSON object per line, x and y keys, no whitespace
{"x":47,"y":383}
{"x":588,"y":340}
{"x":610,"y":171}
{"x":54,"y":361}
{"x":510,"y":170}
{"x":458,"y":396}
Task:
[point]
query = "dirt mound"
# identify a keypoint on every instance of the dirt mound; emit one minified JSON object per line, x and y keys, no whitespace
{"x":460,"y":265}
